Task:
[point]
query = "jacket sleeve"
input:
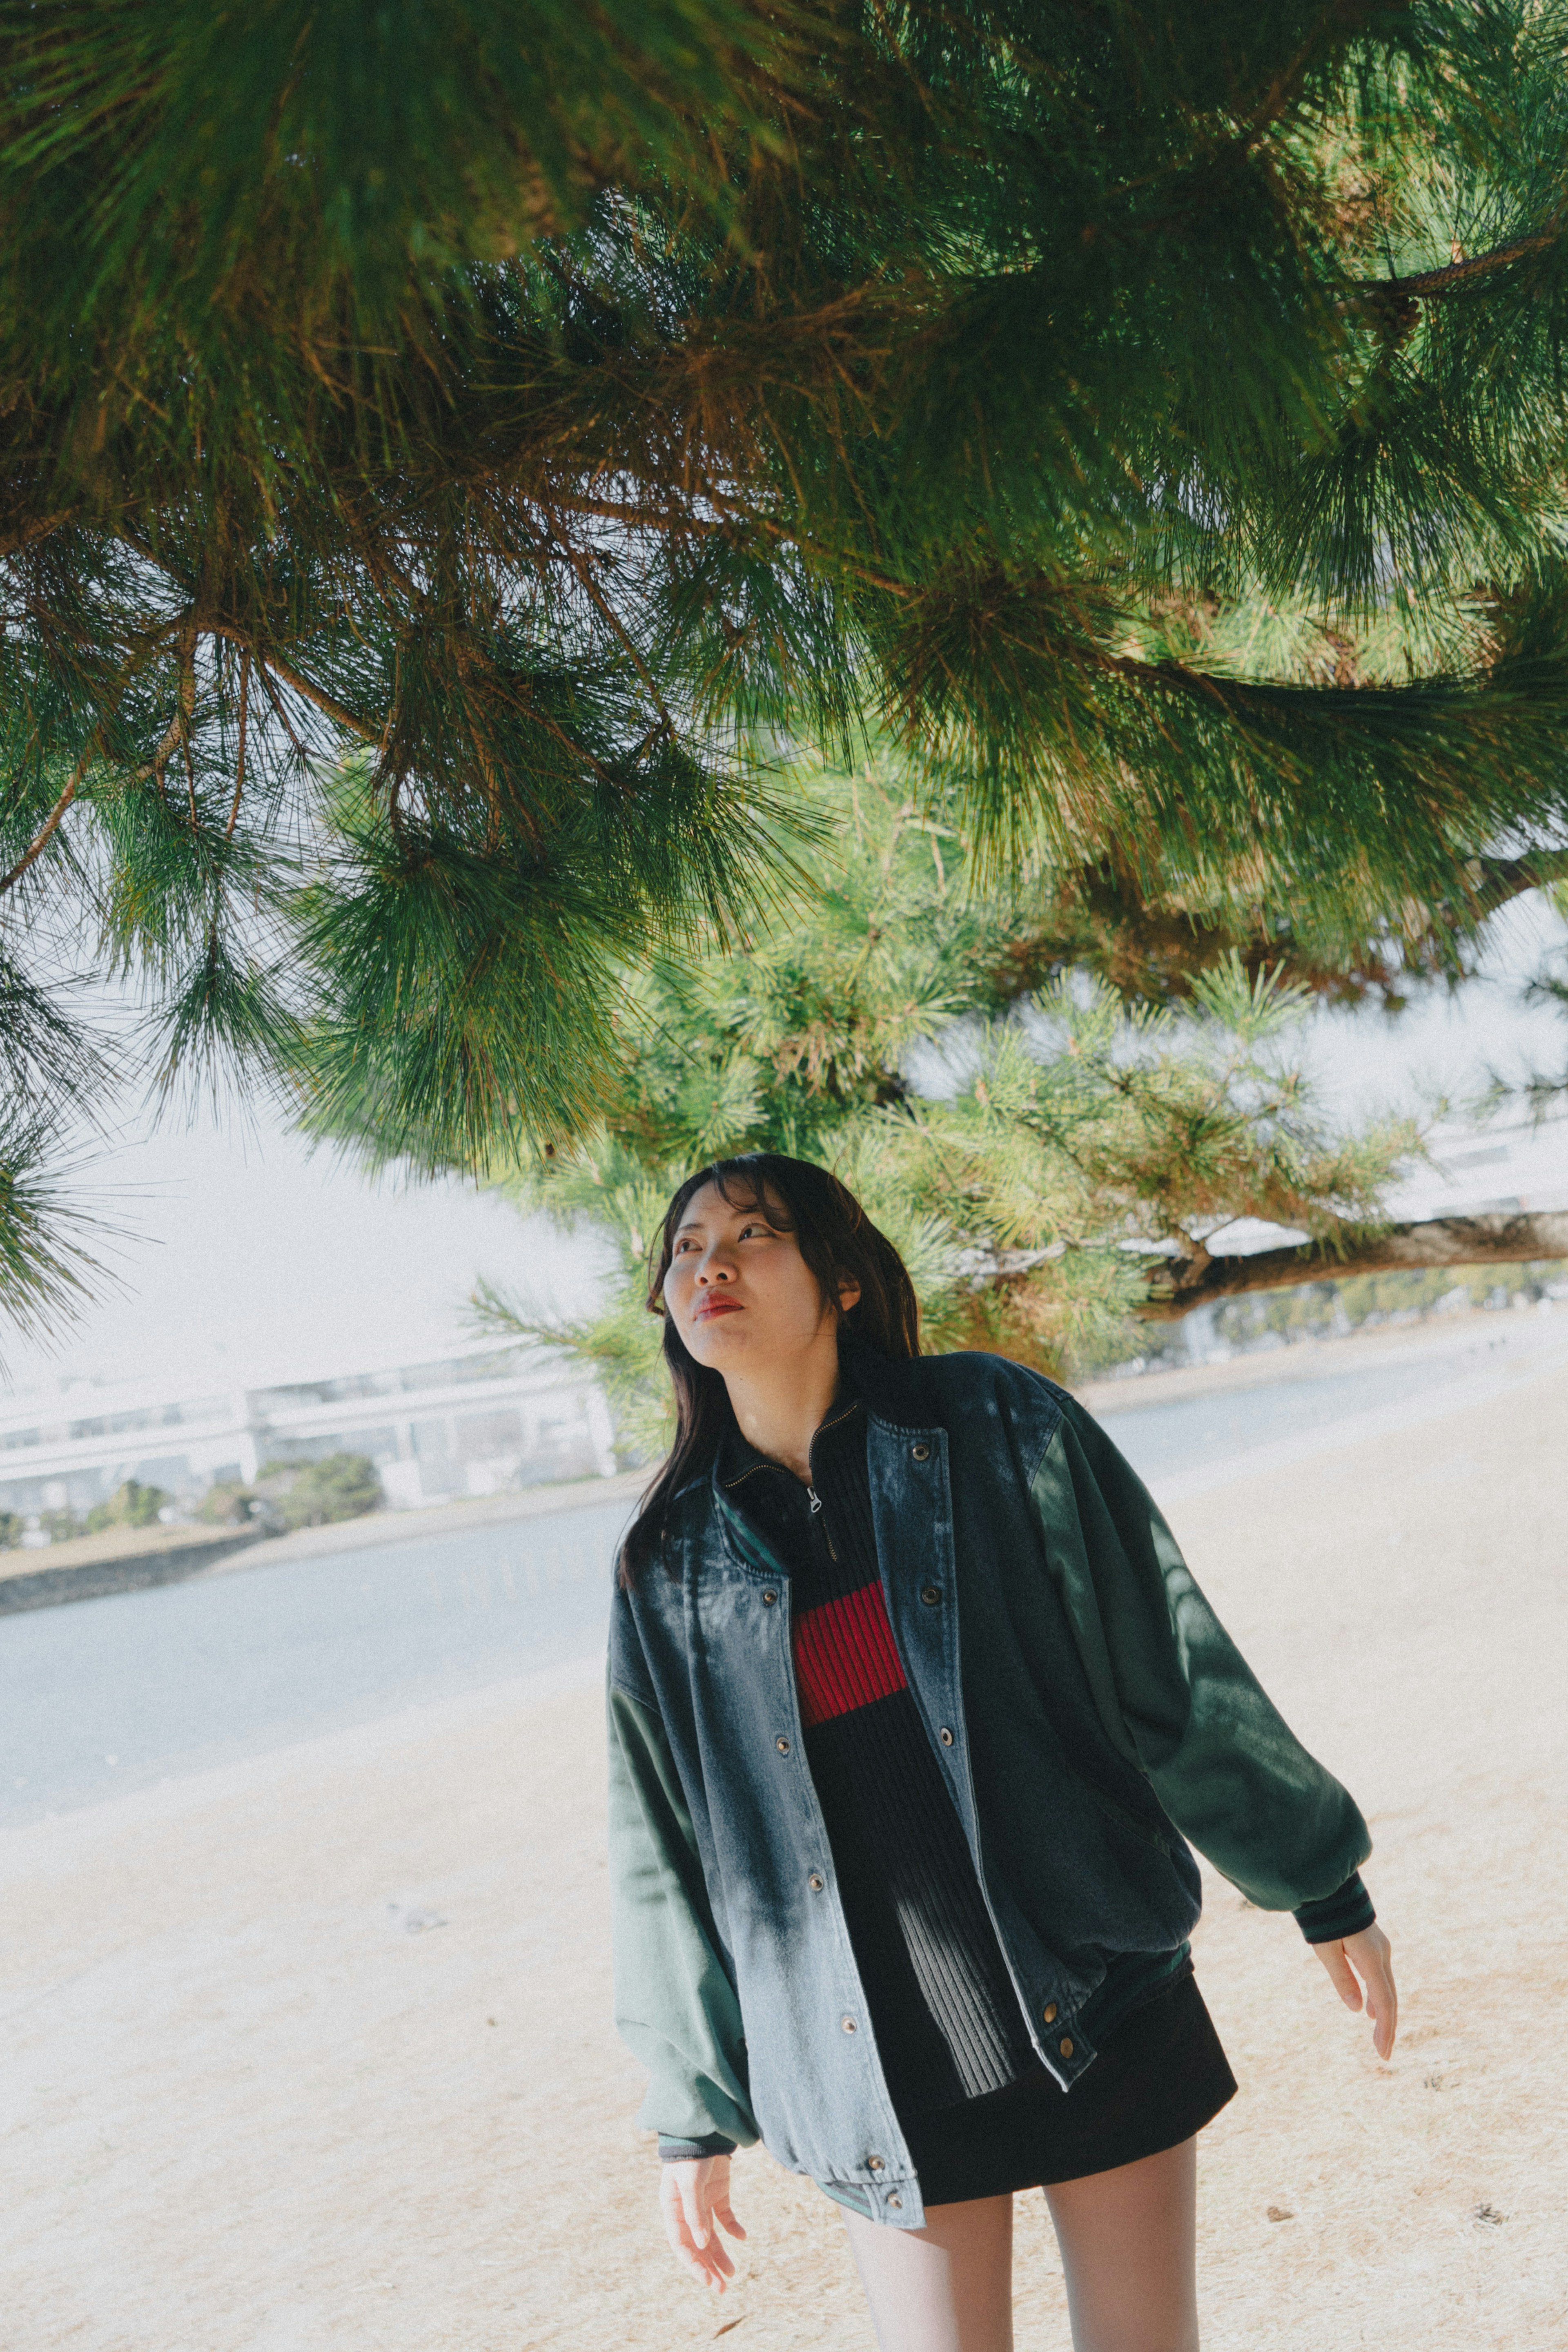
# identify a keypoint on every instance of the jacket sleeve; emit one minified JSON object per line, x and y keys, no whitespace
{"x":1177,"y":1698}
{"x":675,"y":2008}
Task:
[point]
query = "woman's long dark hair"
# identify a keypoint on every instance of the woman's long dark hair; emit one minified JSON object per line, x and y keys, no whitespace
{"x":835,"y":1237}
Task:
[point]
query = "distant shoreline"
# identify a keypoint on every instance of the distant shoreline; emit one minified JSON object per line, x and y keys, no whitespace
{"x":1318,"y":1358}
{"x":90,"y":1567}
{"x":35,"y":1579}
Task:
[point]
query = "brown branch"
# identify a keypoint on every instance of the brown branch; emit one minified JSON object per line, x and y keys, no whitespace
{"x":1503,"y":879}
{"x":678,"y":517}
{"x":324,"y":702}
{"x":94,"y":744}
{"x":463,"y":656}
{"x":187,"y":713}
{"x":1177,"y":1285}
{"x":729,"y":515}
{"x":1422,"y":284}
{"x":41,"y":527}
{"x":277,"y":701}
{"x":166,"y":743}
{"x":239,"y":757}
{"x":46,"y":834}
{"x":608,"y":614}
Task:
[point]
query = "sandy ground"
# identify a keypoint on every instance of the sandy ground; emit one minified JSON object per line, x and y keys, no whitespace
{"x":315,"y":2051}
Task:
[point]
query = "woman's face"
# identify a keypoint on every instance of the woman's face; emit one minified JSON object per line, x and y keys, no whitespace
{"x":742,"y":1296}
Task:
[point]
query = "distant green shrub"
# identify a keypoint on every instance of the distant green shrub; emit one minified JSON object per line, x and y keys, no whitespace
{"x":131,"y":1506}
{"x":231,"y":1504}
{"x":316,"y":1494}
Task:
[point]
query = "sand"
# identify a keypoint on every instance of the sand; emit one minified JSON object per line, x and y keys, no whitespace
{"x":316,"y":2050}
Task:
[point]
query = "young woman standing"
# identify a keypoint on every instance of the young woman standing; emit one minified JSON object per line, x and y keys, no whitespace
{"x":914,"y":1705}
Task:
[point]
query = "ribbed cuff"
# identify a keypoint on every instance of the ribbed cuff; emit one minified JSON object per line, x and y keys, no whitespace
{"x":1331,"y":1917}
{"x":682,"y":2152}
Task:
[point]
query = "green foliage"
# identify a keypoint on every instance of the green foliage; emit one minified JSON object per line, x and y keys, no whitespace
{"x":318,"y":1494}
{"x":131,"y":1506}
{"x":12,"y":1527}
{"x":1027,"y":1188}
{"x":448,"y":451}
{"x":229,"y":1502}
{"x":47,"y":1270}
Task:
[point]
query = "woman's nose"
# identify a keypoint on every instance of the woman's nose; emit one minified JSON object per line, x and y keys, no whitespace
{"x":715,"y":1270}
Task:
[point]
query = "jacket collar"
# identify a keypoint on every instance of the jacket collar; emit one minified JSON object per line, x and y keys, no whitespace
{"x":900,"y":1390}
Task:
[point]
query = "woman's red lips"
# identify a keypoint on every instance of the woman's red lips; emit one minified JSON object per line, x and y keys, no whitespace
{"x":719,"y":1305}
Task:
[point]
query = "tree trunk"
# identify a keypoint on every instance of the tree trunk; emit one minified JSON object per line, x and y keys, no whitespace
{"x":1176,"y":1285}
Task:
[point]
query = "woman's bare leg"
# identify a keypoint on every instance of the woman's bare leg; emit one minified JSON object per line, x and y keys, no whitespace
{"x":1128,"y":2249}
{"x":945,"y":2288}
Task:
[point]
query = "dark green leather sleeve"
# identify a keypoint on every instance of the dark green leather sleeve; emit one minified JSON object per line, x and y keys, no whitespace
{"x":1173,"y":1692}
{"x":675,"y":2008}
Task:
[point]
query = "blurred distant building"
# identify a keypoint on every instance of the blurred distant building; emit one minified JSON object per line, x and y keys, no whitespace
{"x":1496,"y":1167}
{"x":474,"y":1423}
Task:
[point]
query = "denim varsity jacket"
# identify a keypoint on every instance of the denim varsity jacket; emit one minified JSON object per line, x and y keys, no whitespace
{"x":1088,"y":1710}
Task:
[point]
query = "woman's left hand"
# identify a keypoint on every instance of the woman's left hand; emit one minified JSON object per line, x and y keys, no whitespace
{"x":1361,"y":1961}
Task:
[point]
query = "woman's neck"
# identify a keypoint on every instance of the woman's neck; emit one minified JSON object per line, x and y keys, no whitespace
{"x":782,"y":1407}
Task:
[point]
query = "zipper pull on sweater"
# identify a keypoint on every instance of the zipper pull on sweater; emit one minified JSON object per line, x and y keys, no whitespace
{"x":816,"y":1502}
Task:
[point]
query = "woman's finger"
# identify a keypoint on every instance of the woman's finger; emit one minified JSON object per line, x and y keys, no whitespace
{"x":675,"y":2228}
{"x":694,"y":2198}
{"x":1383,"y":2001}
{"x":698,"y":2263}
{"x":1341,"y":1976}
{"x":1369,"y":1952}
{"x":724,"y":2214}
{"x":694,"y":2206}
{"x":709,"y":2257}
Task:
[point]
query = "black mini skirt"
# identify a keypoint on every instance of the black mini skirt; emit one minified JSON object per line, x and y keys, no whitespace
{"x":1160,"y":2078}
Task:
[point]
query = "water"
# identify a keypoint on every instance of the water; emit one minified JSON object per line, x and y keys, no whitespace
{"x":103,"y":1696}
{"x":1203,"y":1432}
{"x":109,"y":1694}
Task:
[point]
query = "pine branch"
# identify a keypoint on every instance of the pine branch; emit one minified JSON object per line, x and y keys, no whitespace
{"x":1176,"y":1285}
{"x":1430,"y":285}
{"x":240,"y":751}
{"x":328,"y":704}
{"x":47,"y":831}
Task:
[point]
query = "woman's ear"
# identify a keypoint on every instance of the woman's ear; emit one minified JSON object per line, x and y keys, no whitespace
{"x":849,"y":1293}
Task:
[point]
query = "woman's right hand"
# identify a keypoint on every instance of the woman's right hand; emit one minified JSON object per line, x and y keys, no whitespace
{"x":694,"y":2198}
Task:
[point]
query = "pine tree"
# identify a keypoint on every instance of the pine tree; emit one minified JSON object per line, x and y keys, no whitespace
{"x":1065,"y":1163}
{"x":450,"y":454}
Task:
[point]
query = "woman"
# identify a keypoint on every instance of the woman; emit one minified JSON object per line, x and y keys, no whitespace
{"x":913,"y":1704}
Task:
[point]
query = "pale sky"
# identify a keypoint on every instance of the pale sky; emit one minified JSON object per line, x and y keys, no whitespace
{"x":256,"y":1260}
{"x":1447,"y":1044}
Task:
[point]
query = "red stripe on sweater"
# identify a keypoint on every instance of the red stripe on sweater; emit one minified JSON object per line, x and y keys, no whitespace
{"x":845,"y":1655}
